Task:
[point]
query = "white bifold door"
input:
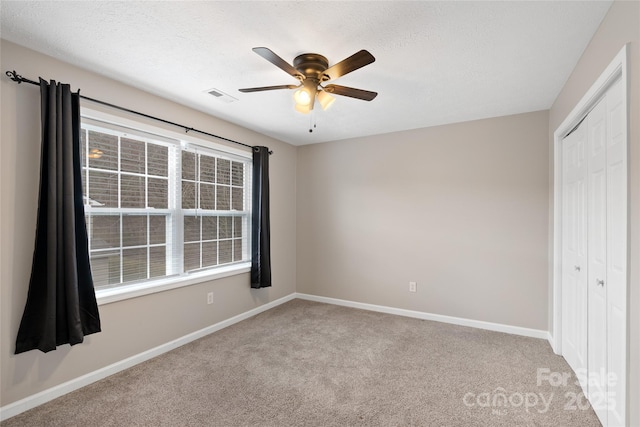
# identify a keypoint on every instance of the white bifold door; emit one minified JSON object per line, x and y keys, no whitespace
{"x":574,"y":254}
{"x":594,"y":255}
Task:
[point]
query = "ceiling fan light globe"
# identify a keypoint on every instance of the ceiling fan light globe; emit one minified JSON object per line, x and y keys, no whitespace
{"x":302,"y":97}
{"x":325,"y":99}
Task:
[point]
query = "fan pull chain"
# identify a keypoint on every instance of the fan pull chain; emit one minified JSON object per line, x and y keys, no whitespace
{"x":312,"y":120}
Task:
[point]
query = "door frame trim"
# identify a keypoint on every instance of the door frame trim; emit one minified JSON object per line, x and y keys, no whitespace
{"x":616,"y":69}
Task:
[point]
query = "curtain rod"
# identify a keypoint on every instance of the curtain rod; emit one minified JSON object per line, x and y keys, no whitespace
{"x":19,"y":79}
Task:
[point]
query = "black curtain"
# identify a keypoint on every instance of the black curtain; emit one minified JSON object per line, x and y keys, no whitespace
{"x":260,"y":228}
{"x":61,"y":304}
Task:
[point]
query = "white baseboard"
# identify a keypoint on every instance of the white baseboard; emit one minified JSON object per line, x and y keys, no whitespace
{"x":498,"y":327}
{"x":44,"y":396}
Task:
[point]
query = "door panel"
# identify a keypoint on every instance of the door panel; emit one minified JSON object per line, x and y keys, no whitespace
{"x":597,"y":264}
{"x":616,"y":255}
{"x":574,"y":270}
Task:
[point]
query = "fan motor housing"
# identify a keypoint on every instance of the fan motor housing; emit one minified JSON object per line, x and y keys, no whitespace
{"x":312,"y":65}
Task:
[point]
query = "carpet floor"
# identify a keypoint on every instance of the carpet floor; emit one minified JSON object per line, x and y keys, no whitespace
{"x":311,"y":364}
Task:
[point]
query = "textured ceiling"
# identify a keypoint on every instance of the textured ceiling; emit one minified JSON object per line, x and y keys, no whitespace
{"x":436,"y":62}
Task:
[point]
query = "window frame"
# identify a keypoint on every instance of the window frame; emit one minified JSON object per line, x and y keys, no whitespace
{"x":150,"y":286}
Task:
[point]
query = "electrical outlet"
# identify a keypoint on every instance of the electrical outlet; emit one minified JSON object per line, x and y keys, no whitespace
{"x":413,"y":287}
{"x":210,"y":298}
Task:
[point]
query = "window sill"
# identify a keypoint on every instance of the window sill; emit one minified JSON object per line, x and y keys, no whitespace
{"x":106,"y":296}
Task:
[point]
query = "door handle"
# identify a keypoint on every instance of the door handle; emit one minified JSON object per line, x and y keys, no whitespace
{"x":576,"y":267}
{"x":600,"y":282}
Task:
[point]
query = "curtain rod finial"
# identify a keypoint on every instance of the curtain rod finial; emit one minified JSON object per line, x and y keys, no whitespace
{"x":14,"y":76}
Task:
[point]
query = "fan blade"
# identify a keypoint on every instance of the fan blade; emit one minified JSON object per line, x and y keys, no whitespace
{"x":260,"y":89}
{"x":268,"y":54}
{"x":351,"y":92}
{"x":352,"y":63}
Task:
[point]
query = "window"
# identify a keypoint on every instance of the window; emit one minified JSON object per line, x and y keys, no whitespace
{"x":211,"y":185}
{"x":158,"y":207}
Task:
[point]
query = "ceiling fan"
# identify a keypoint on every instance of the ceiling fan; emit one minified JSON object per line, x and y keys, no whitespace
{"x":312,"y":70}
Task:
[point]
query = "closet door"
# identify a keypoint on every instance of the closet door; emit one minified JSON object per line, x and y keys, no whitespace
{"x":597,"y":265}
{"x":616,"y":284}
{"x":574,"y":249}
{"x":607,"y":254}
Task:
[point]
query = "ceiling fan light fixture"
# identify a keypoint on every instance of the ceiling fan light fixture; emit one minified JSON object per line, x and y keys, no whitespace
{"x":306,"y":95}
{"x":325,"y":99}
{"x":302,"y":96}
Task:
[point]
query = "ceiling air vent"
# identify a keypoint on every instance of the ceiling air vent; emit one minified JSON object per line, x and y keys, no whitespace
{"x":220,"y":95}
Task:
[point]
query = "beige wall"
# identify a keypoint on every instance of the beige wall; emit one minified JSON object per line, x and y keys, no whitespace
{"x":134,"y":325}
{"x":461,"y":209}
{"x":620,"y":26}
